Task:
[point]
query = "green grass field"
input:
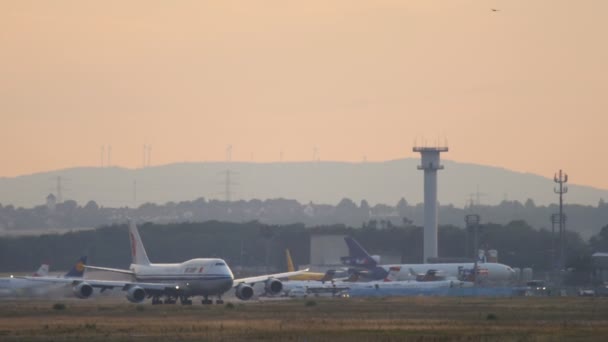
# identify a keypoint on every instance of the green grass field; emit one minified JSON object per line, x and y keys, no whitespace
{"x":390,"y":319}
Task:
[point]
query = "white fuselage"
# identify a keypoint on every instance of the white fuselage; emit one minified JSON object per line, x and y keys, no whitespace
{"x":290,"y":286}
{"x":409,"y":284}
{"x":492,"y":272}
{"x":194,"y":277}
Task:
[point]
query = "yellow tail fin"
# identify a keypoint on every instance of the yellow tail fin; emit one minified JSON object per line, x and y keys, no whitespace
{"x":290,"y":267}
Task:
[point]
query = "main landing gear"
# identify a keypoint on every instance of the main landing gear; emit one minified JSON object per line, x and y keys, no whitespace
{"x":208,"y":301}
{"x":185,"y":300}
{"x":169,"y":300}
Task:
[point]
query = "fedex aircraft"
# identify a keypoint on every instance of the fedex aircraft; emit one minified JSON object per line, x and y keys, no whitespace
{"x":196,"y":277}
{"x":359,"y":258}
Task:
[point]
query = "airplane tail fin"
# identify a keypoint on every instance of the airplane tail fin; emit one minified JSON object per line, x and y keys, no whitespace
{"x":77,"y":271}
{"x":138,"y":252}
{"x":329,"y":275}
{"x":290,"y":267}
{"x":481,"y":256}
{"x":357,"y":255}
{"x":43,"y":271}
{"x":393,"y":274}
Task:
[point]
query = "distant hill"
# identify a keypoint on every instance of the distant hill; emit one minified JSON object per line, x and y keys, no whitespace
{"x":319,"y":182}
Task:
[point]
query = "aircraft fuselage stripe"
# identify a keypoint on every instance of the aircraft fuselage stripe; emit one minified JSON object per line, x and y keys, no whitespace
{"x":172,"y":277}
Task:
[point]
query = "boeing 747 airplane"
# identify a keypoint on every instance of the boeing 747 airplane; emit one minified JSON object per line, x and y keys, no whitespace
{"x":196,"y":277}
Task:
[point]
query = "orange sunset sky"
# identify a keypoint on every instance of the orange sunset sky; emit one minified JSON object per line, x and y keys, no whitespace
{"x":524,"y":88}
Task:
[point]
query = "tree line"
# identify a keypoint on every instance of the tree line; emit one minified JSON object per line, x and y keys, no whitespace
{"x":586,"y":220}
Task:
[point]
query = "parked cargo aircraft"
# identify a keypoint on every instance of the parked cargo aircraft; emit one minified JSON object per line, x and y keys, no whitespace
{"x":40,"y":282}
{"x":343,"y":287}
{"x":371,"y":270}
{"x":196,"y":277}
{"x":425,"y":282}
{"x":312,"y":276}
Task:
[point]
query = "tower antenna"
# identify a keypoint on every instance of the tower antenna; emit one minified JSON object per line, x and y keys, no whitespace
{"x":59,"y":190}
{"x":134,"y":194}
{"x":60,"y":187}
{"x":145,"y":156}
{"x":229,"y":153}
{"x":149,"y":155}
{"x":561,"y":179}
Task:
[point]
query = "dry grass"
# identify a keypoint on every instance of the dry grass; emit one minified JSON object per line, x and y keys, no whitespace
{"x":394,"y":319}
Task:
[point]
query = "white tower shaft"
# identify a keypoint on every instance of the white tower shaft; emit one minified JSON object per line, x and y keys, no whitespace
{"x":430,"y":214}
{"x":430,"y":164}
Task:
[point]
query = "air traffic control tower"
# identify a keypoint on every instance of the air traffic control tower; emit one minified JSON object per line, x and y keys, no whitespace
{"x":430,"y":164}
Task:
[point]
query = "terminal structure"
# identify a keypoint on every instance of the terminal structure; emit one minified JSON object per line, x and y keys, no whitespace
{"x":430,"y":164}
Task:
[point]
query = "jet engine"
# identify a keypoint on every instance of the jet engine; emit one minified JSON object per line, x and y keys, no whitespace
{"x":83,"y":290}
{"x":136,"y":294}
{"x":244,"y":292}
{"x":273,"y":286}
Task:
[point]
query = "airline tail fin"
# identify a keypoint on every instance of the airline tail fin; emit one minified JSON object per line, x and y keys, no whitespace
{"x":77,"y":271}
{"x":290,"y":267}
{"x":481,"y":256}
{"x":329,"y":275}
{"x":138,"y":252}
{"x":43,"y":271}
{"x":393,"y":274}
{"x":357,"y":255}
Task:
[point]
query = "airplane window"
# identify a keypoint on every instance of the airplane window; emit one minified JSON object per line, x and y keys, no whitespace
{"x":220,"y":264}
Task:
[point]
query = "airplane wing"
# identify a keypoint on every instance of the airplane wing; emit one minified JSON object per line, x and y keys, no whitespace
{"x":258,"y":279}
{"x":116,"y":270}
{"x":47,"y":279}
{"x":150,"y":288}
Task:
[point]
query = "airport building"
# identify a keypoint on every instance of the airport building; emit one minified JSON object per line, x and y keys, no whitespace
{"x":326,"y":251}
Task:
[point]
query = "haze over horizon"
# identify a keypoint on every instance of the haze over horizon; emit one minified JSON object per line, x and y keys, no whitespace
{"x":522,"y":88}
{"x":317,"y":182}
{"x":245,"y":162}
